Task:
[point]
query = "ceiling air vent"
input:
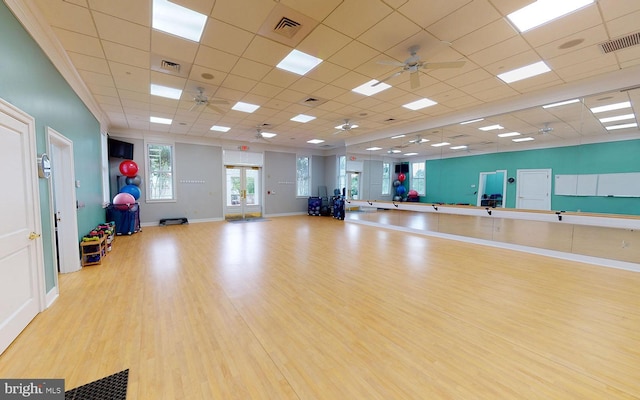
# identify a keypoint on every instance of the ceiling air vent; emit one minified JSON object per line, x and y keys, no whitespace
{"x":287,"y":27}
{"x":170,"y":66}
{"x":312,"y":101}
{"x":458,"y":136}
{"x":389,"y":120}
{"x":620,"y":43}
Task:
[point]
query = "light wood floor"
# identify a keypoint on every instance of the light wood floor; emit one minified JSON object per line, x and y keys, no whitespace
{"x":315,"y":308}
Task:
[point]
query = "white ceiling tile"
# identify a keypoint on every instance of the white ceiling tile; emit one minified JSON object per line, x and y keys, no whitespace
{"x":327,"y":72}
{"x":68,"y":16}
{"x":126,"y":55}
{"x":575,"y":58}
{"x":516,"y":61}
{"x":500,"y":51}
{"x":245,"y":14}
{"x":465,"y":20}
{"x":94,"y":78}
{"x":266,"y":51}
{"x":317,"y":10}
{"x":197,"y":72}
{"x":578,"y":21}
{"x":387,"y":33}
{"x":307,"y":85}
{"x":201,"y":6}
{"x":354,"y":17}
{"x":590,"y":38}
{"x":427,"y":13}
{"x":215,"y":59}
{"x":239,"y":83}
{"x":323,"y":42}
{"x":173,"y":47}
{"x":226,"y":37}
{"x":353,"y":54}
{"x":493,"y":33}
{"x":280,"y":78}
{"x":623,"y":25}
{"x":612,"y":9}
{"x":251,"y":69}
{"x":79,"y":43}
{"x":138,"y":12}
{"x":131,"y":78}
{"x":88,"y":63}
{"x":121,"y":31}
{"x":266,"y":90}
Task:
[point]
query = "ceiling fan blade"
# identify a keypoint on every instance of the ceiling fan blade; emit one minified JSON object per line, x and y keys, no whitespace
{"x":414,"y":80}
{"x":450,"y":64}
{"x":387,"y":78}
{"x":218,"y":101}
{"x":215,"y":109}
{"x":388,"y":62}
{"x":194,"y":107}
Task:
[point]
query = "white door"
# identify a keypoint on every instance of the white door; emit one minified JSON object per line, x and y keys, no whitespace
{"x":244,"y":193}
{"x":21,"y":272}
{"x":64,"y":201}
{"x":534,"y":189}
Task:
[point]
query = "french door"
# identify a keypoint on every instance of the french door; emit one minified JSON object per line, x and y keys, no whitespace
{"x":243,"y":197}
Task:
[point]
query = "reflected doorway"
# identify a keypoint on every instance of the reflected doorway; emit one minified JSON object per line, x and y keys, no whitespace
{"x":492,"y":189}
{"x":243,"y":194}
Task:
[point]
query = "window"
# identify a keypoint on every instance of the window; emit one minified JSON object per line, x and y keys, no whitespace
{"x":386,"y":178}
{"x":160,"y":172}
{"x":303,"y":176}
{"x":342,"y":172}
{"x":418,"y":178}
{"x":105,"y":169}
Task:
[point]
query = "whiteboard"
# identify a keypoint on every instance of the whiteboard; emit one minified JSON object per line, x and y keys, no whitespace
{"x":576,"y":185}
{"x":623,"y":185}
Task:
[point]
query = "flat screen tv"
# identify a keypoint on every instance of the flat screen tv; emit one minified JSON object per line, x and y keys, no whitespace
{"x":120,"y":149}
{"x":402,"y":168}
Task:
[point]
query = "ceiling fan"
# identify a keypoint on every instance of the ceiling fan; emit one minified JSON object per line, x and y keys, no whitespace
{"x":201,"y":100}
{"x":413,"y":64}
{"x":262,"y":136}
{"x":347,"y":126}
{"x":546,"y":129}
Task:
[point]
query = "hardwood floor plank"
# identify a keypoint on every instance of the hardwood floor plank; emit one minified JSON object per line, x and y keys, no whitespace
{"x":314,"y":308}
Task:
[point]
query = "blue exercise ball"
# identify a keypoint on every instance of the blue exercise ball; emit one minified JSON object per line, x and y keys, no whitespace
{"x":132,"y":190}
{"x":400,"y":190}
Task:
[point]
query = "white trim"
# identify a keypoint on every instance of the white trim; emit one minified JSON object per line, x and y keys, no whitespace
{"x":31,"y":18}
{"x":52,"y":296}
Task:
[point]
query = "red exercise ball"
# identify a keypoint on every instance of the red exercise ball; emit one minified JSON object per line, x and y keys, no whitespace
{"x":401,"y":177}
{"x":123,"y":201}
{"x":129,"y":168}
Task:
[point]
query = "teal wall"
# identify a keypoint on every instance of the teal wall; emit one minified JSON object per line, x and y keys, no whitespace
{"x":450,"y":180}
{"x":30,"y":82}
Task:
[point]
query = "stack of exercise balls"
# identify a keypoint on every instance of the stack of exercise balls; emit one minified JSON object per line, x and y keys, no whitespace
{"x":399,"y":187}
{"x":130,"y":192}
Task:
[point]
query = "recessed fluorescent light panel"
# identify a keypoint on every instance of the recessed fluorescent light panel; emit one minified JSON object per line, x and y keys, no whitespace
{"x":245,"y":107}
{"x":395,"y":151}
{"x":268,"y":135}
{"x":611,"y":107}
{"x":472,"y":121}
{"x":622,"y":126}
{"x":177,"y":20}
{"x":617,"y":118}
{"x":458,"y":147}
{"x":368,"y":89}
{"x":491,"y":128}
{"x":524,"y":139}
{"x":164,"y":91}
{"x":303,"y":118}
{"x":374,"y":148}
{"x":410,"y":154}
{"x":158,"y":120}
{"x":509,"y":134}
{"x":315,"y":141}
{"x":543,"y":11}
{"x":420,"y":104}
{"x":562,"y":103}
{"x":219,"y":128}
{"x":525,"y":72}
{"x":440,"y":144}
{"x":398,"y":136}
{"x":298,"y":62}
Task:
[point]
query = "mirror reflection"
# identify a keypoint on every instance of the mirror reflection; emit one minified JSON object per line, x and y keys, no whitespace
{"x":574,"y":155}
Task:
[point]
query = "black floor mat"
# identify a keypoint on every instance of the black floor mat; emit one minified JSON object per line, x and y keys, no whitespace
{"x":112,"y":387}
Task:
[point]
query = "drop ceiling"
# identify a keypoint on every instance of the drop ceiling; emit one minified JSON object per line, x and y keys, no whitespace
{"x":116,"y":55}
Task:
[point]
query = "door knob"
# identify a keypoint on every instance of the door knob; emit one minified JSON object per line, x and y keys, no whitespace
{"x":33,"y":236}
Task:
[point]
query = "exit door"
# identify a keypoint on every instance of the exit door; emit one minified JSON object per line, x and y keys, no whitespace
{"x":243,"y":192}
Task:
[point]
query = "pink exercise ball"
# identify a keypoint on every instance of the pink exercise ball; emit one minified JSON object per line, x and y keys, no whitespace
{"x":123,"y":201}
